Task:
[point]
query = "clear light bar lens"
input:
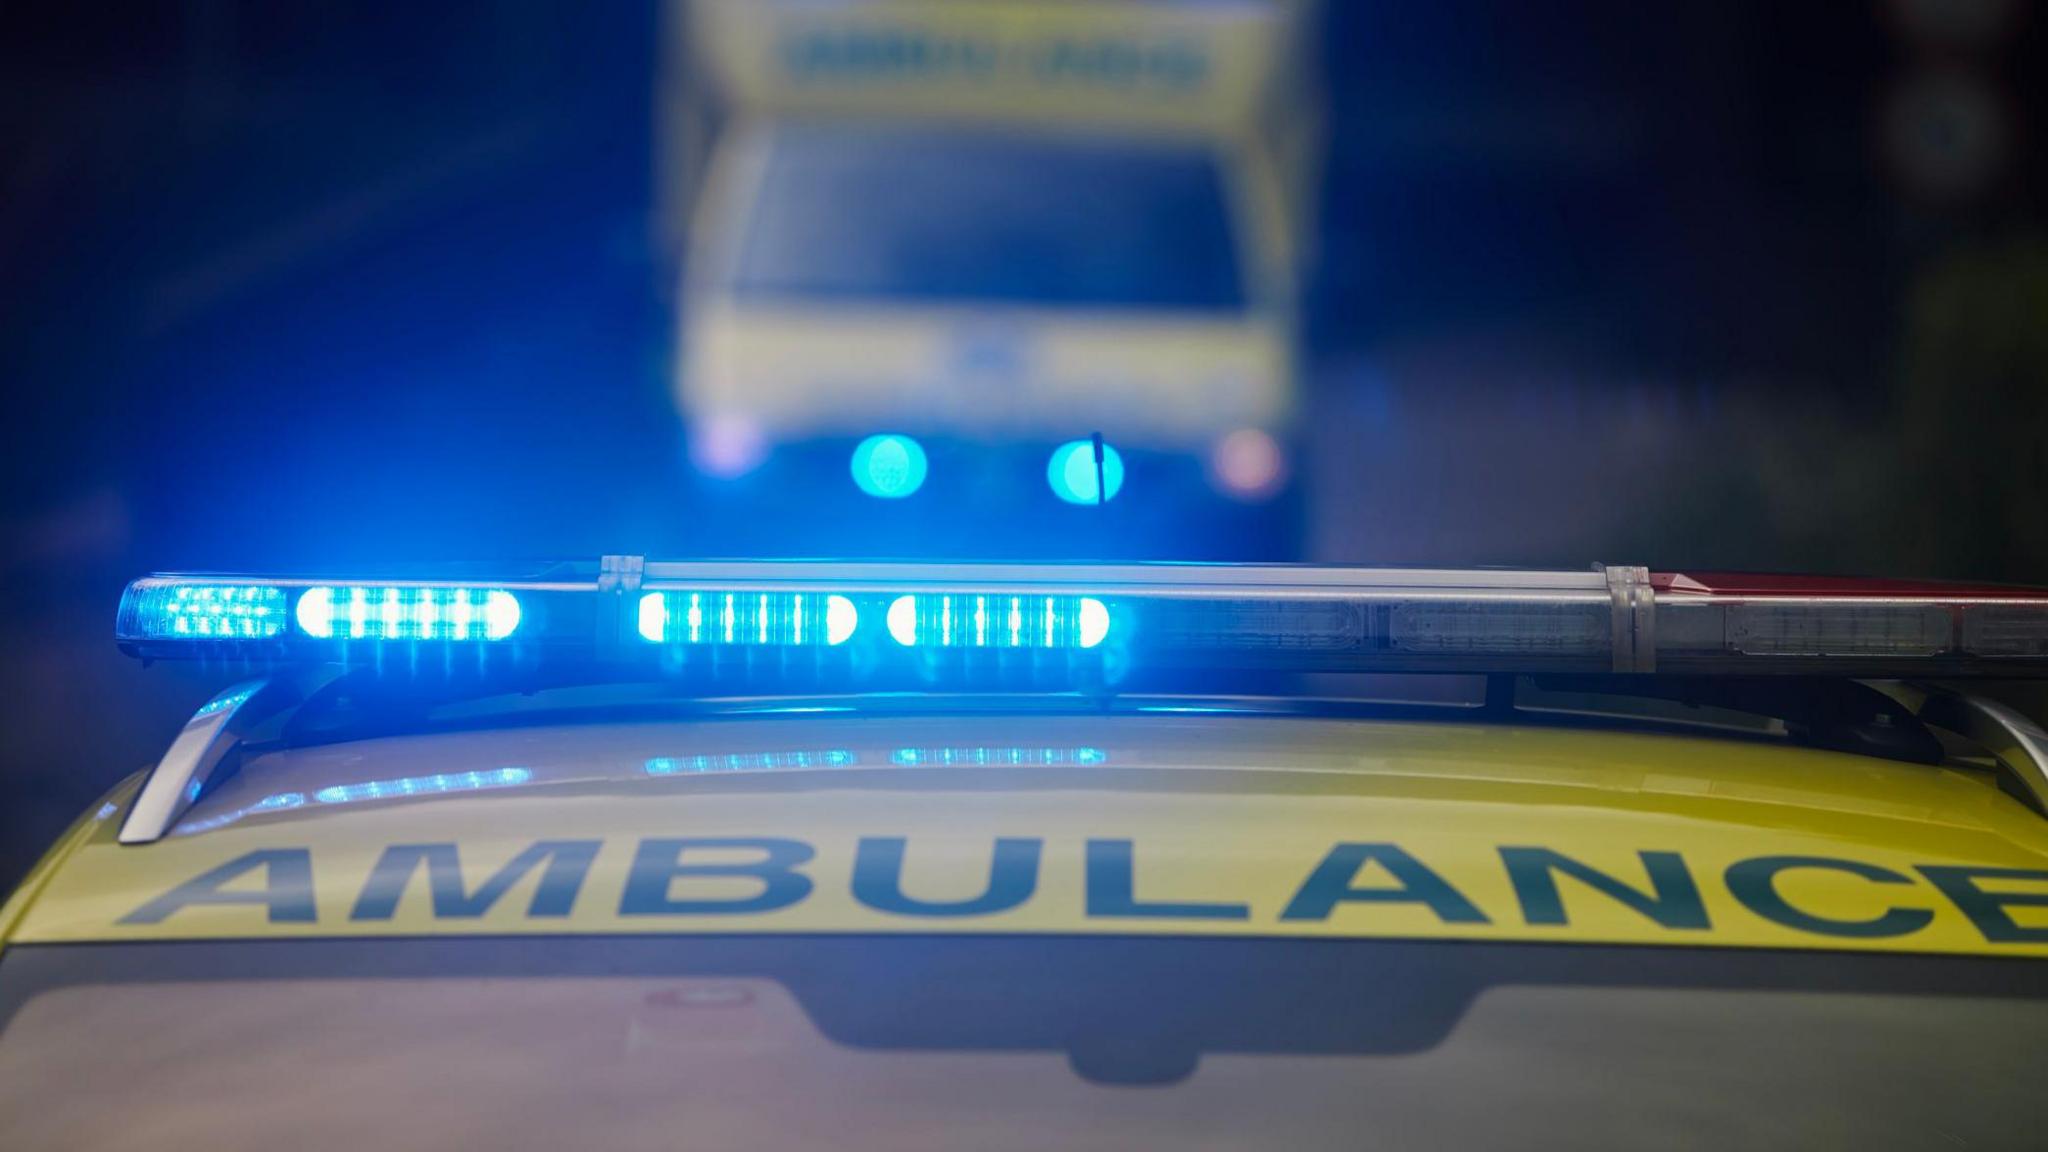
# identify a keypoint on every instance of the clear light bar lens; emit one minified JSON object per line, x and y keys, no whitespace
{"x":2006,"y":630}
{"x":1766,"y":629}
{"x":204,"y":612}
{"x":407,"y":613}
{"x":963,"y":621}
{"x":747,"y":619}
{"x":1495,"y":628}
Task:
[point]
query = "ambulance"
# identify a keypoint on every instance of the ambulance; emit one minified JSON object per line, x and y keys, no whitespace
{"x":625,"y":854}
{"x":939,"y":244}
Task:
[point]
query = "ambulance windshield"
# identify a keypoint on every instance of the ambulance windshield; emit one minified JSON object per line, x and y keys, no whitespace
{"x":940,"y":215}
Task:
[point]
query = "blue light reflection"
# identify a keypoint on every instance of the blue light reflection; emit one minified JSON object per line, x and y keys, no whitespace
{"x":748,"y":762}
{"x":423,"y":785}
{"x":223,"y":703}
{"x":279,"y":802}
{"x":997,"y":756}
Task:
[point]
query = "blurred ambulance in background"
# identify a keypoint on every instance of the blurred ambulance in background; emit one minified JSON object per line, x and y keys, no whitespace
{"x":988,"y":229}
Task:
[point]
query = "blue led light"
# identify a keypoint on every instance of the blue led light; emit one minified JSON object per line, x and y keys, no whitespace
{"x":748,"y":762}
{"x":890,"y":467}
{"x":408,"y":613}
{"x":1071,"y":472}
{"x":958,"y":621}
{"x":997,"y":756}
{"x":747,"y":619}
{"x":192,"y":611}
{"x":423,"y":785}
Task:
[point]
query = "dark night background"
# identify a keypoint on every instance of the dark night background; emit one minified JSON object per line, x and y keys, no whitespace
{"x":302,"y":286}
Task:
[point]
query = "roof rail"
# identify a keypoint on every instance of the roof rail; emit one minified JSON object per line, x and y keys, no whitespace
{"x":201,"y":750}
{"x":2019,"y":743}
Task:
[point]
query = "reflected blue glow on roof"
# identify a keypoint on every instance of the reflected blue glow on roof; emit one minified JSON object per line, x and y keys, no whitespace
{"x":423,"y":785}
{"x":749,"y":762}
{"x":373,"y":790}
{"x":276,"y":803}
{"x":224,"y":702}
{"x":997,"y":756}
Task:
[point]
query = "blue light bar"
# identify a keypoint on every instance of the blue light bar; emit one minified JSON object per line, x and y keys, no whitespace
{"x":407,"y":613}
{"x":719,"y":625}
{"x":163,"y":610}
{"x":958,"y":621}
{"x":747,"y":619}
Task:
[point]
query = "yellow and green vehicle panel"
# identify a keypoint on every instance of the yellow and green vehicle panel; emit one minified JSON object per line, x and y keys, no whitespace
{"x":1160,"y":824}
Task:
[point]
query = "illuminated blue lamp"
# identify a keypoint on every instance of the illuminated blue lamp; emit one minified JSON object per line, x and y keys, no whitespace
{"x":407,"y":613}
{"x":747,"y":619}
{"x":890,"y":466}
{"x":1071,"y":472}
{"x":188,"y":611}
{"x":960,"y":621}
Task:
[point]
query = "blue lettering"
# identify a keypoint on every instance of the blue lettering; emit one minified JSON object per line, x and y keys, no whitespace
{"x":657,"y":864}
{"x":1673,"y":900}
{"x":287,"y":892}
{"x":878,"y":879}
{"x":568,"y":861}
{"x":1987,"y":910}
{"x":1112,"y":890}
{"x":1330,"y":885}
{"x":1755,"y":883}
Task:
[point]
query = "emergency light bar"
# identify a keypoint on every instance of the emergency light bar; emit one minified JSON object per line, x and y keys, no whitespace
{"x":666,"y":617}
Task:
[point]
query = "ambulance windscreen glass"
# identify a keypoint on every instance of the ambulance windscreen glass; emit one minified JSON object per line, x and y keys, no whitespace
{"x":934,"y":215}
{"x":998,"y":1042}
